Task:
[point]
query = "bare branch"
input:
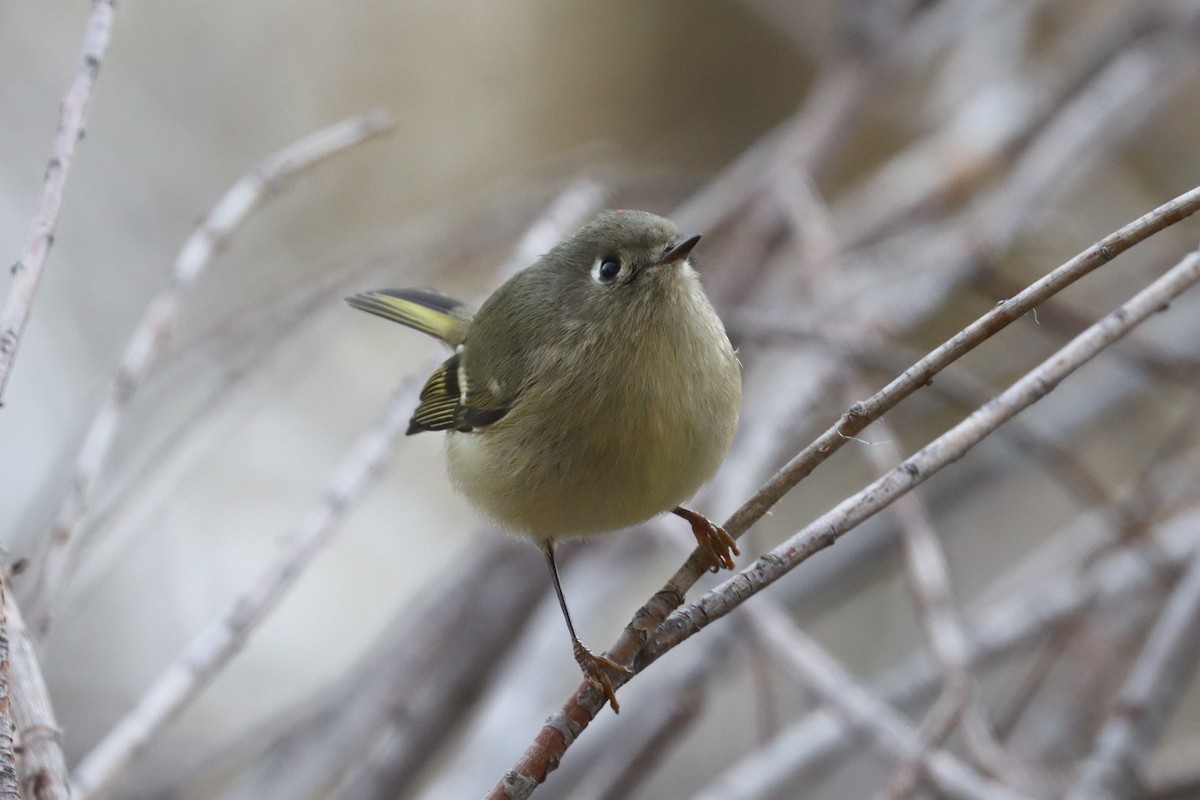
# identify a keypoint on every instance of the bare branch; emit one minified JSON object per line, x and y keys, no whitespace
{"x":370,"y":735}
{"x":929,"y":576}
{"x":619,"y":772}
{"x":858,"y":416}
{"x":885,"y":726}
{"x":270,"y":177}
{"x":10,"y":785}
{"x":27,"y":273}
{"x":43,"y":766}
{"x":995,"y":631}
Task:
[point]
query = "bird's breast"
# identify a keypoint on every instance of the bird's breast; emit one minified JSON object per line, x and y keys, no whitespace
{"x":612,"y":431}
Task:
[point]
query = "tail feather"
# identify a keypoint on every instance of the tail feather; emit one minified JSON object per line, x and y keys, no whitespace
{"x":425,"y":310}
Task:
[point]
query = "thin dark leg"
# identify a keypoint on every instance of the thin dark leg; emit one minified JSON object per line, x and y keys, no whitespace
{"x":562,"y":600}
{"x":595,"y":668}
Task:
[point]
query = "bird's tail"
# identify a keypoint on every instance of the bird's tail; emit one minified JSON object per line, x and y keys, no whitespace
{"x":424,"y":310}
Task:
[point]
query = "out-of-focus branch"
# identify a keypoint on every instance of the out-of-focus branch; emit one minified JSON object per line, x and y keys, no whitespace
{"x":270,"y":177}
{"x":994,"y":632}
{"x":619,"y":772}
{"x":929,"y":576}
{"x":10,"y":785}
{"x":986,"y":135}
{"x":886,"y":727}
{"x":379,"y":725}
{"x":27,"y":273}
{"x":1145,"y":705}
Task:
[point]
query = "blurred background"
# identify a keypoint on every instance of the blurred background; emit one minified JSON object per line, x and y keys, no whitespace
{"x":870,"y":176}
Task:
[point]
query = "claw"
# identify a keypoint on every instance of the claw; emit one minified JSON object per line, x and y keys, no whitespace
{"x":596,"y":669}
{"x":713,"y":540}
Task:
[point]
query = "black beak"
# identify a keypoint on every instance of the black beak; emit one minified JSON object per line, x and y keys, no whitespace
{"x":679,"y":251}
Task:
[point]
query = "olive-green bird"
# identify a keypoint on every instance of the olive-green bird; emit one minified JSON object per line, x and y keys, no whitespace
{"x":593,"y":390}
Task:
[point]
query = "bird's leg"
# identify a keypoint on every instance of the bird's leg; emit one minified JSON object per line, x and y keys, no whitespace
{"x":714,"y":541}
{"x":595,"y":668}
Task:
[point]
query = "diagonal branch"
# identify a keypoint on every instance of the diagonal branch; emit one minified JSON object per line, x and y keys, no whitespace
{"x":27,"y":273}
{"x":889,"y":730}
{"x":43,"y":765}
{"x":1014,"y":621}
{"x":10,"y":785}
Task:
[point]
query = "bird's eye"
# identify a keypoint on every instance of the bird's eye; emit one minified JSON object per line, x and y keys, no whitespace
{"x":606,"y":270}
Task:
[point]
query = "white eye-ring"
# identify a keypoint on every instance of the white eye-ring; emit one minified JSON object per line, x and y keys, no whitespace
{"x":606,"y":270}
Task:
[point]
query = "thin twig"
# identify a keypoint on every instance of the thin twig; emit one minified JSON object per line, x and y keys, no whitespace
{"x":550,"y":743}
{"x":886,"y":727}
{"x":27,"y":273}
{"x":929,"y":575}
{"x":968,"y":392}
{"x":213,"y":647}
{"x":1115,"y":770}
{"x":270,"y":177}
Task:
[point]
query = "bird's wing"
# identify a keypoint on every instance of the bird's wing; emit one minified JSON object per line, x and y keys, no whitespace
{"x":445,"y":406}
{"x":425,"y":310}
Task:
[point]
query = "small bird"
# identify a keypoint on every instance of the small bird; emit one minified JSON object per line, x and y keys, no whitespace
{"x":592,"y":391}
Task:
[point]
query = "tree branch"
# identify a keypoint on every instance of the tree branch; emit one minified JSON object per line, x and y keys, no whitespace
{"x":27,"y":273}
{"x":891,"y":733}
{"x":43,"y":766}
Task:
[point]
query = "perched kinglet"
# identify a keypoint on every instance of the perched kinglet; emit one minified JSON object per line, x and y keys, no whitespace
{"x":592,"y":391}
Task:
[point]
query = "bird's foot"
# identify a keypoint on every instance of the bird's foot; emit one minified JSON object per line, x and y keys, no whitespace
{"x":714,"y":541}
{"x":596,"y":669}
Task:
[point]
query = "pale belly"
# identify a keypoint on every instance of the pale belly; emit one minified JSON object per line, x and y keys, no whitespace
{"x":549,"y":481}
